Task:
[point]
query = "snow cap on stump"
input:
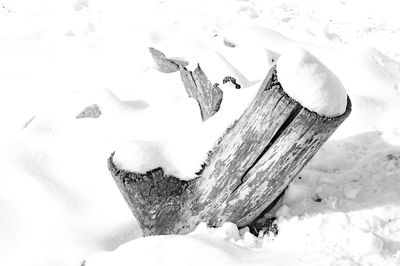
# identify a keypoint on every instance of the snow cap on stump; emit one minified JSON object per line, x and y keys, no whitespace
{"x":307,"y":80}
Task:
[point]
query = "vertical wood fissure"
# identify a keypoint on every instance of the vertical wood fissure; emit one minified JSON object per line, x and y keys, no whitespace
{"x":278,"y":133}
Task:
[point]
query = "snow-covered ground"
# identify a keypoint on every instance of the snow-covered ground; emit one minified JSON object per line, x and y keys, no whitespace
{"x":60,"y":206}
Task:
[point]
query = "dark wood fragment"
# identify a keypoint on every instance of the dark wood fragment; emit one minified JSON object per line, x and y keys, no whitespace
{"x":92,"y":111}
{"x":231,"y":80}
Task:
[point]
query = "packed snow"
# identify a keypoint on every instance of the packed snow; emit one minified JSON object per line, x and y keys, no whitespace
{"x":225,"y":245}
{"x":311,"y":83}
{"x":58,"y":202}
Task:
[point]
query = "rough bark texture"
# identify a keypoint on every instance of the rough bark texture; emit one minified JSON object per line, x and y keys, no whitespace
{"x":199,"y":87}
{"x":231,"y":80}
{"x":246,"y":171}
{"x":155,"y":199}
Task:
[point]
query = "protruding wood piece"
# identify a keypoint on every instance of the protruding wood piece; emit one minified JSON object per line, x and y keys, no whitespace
{"x":166,"y":65}
{"x":199,"y":87}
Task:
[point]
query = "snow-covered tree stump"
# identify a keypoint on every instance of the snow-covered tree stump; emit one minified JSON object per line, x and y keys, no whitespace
{"x":249,"y":167}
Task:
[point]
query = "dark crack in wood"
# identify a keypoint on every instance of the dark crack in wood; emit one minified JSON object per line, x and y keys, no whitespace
{"x":281,"y":129}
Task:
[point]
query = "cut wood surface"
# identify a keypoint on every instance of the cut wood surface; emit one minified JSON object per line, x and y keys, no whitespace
{"x":250,"y":166}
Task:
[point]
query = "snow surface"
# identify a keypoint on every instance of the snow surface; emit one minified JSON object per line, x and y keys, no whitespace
{"x":311,"y":83}
{"x":225,"y":245}
{"x":58,"y":202}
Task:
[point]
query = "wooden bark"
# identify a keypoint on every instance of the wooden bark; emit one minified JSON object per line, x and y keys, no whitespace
{"x":165,"y":64}
{"x":199,"y":87}
{"x":249,"y":167}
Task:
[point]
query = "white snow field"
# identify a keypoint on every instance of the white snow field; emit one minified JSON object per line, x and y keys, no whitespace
{"x":59,"y":204}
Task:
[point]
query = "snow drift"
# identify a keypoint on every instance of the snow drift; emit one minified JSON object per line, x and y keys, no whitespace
{"x":58,"y":204}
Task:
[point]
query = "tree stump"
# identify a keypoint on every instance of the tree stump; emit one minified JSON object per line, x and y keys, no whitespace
{"x":246,"y":171}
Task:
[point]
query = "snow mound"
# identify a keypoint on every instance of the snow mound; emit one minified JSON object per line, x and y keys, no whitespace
{"x":144,"y":155}
{"x":311,"y":83}
{"x":179,"y":159}
{"x":225,"y":245}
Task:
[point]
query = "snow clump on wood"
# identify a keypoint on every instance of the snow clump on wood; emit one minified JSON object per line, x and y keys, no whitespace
{"x":311,"y":83}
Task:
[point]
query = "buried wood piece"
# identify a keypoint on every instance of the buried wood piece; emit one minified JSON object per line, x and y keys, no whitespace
{"x":92,"y":111}
{"x":164,"y":64}
{"x":231,"y":80}
{"x":199,"y":87}
{"x":246,"y":171}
